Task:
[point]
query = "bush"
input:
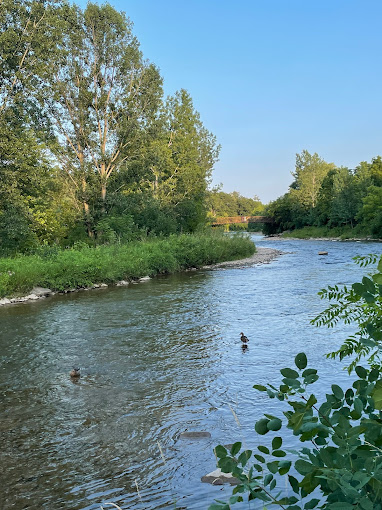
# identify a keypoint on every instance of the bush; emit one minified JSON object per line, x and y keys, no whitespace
{"x":342,"y":468}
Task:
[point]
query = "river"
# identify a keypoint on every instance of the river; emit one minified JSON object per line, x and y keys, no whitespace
{"x":157,"y":358}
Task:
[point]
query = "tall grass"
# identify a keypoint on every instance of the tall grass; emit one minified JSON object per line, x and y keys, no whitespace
{"x":82,"y":267}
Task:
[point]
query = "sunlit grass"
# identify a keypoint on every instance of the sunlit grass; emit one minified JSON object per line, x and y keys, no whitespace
{"x":77,"y":268}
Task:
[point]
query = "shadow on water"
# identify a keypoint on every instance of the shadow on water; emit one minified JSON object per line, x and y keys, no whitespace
{"x":157,"y":359}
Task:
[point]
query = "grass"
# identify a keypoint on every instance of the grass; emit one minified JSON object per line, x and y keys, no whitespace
{"x":61,"y":270}
{"x":343,"y":233}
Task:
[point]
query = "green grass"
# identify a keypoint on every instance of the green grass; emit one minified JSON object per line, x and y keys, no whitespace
{"x":345,"y":232}
{"x":77,"y":268}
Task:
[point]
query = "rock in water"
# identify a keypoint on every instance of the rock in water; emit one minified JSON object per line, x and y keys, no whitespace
{"x":217,"y":477}
{"x":194,"y":435}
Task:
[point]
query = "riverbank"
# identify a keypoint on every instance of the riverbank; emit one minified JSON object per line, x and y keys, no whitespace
{"x":327,"y":234}
{"x":262,"y":256}
{"x":31,"y":277}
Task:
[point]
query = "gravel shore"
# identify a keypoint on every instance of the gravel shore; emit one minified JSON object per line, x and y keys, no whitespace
{"x":262,"y":256}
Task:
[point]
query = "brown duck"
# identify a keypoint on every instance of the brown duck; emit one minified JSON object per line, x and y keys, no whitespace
{"x":243,"y":338}
{"x":75,"y":373}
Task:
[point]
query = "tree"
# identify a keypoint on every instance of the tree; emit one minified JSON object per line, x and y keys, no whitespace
{"x":181,"y":159}
{"x":104,"y":96}
{"x":25,"y":50}
{"x":309,"y":174}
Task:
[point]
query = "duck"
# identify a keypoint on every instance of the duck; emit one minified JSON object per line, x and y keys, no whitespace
{"x":243,"y":338}
{"x":75,"y":373}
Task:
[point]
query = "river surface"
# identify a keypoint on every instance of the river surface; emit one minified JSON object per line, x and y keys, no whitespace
{"x":157,"y":358}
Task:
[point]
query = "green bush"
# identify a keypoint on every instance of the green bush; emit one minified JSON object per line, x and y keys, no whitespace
{"x":82,"y":266}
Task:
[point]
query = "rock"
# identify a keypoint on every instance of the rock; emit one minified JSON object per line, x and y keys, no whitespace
{"x":31,"y":297}
{"x":144,"y":279}
{"x":122,"y":283}
{"x":41,"y":291}
{"x":323,"y":253}
{"x":217,"y":477}
{"x":5,"y":301}
{"x":194,"y":435}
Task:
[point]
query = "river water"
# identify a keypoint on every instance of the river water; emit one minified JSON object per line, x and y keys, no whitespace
{"x":157,"y":359}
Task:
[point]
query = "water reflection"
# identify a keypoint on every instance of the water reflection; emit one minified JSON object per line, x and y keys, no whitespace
{"x":156,"y":359}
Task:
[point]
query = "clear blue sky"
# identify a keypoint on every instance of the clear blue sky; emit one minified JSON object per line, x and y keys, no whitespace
{"x":271,"y":78}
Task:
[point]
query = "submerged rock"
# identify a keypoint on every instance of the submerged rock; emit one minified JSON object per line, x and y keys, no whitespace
{"x":217,"y":477}
{"x":194,"y":435}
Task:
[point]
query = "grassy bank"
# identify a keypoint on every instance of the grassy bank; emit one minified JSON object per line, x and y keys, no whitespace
{"x":84,"y":266}
{"x":339,"y":232}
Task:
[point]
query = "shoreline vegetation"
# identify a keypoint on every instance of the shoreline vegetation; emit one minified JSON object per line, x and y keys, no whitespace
{"x":53,"y":270}
{"x":326,"y":233}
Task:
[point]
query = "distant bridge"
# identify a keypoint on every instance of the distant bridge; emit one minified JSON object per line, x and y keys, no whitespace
{"x":227,"y":220}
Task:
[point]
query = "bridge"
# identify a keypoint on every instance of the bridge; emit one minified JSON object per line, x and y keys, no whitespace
{"x":228,"y":220}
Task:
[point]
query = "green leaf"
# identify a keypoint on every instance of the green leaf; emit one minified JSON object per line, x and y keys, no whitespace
{"x":377,"y":395}
{"x":303,"y":467}
{"x":284,"y":466}
{"x":309,"y":371}
{"x":294,"y":484}
{"x":259,"y":387}
{"x":244,"y":458}
{"x":274,"y":424}
{"x":267,"y":479}
{"x":301,"y":361}
{"x":340,"y":506}
{"x":273,"y":485}
{"x":368,"y":284}
{"x":263,"y":449}
{"x":311,"y":504}
{"x":227,"y":464}
{"x":221,"y":451}
{"x":217,"y":506}
{"x":273,"y":466}
{"x":358,"y":288}
{"x":260,"y":458}
{"x":337,"y":391}
{"x":276,"y":443}
{"x":289,"y":373}
{"x":261,"y":426}
{"x":235,"y":448}
{"x":278,"y":453}
{"x":361,"y":372}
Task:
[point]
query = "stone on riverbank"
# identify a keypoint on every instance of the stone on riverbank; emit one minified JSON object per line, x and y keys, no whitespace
{"x":217,"y":477}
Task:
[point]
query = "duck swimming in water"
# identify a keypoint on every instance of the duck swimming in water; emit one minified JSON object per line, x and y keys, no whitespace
{"x":243,"y":338}
{"x":75,"y":373}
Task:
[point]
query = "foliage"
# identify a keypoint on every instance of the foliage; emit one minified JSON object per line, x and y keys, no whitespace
{"x":232,"y":204}
{"x":341,"y":470}
{"x":323,"y":195}
{"x":83,"y":266}
{"x":361,"y":305}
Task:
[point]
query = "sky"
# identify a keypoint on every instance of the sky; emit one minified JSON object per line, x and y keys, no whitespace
{"x":271,"y":78}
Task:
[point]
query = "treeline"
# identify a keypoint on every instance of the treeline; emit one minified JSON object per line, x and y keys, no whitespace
{"x":232,"y":204}
{"x":90,"y":149}
{"x":324,"y":195}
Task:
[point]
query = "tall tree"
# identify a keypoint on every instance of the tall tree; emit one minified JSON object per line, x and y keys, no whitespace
{"x":181,"y":159}
{"x":26,"y":51}
{"x":104,"y":96}
{"x":309,"y":174}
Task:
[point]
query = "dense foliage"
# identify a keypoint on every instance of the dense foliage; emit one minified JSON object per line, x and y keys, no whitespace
{"x":330,"y":197}
{"x":90,"y":150}
{"x":341,"y":468}
{"x":232,"y":204}
{"x":82,"y":266}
